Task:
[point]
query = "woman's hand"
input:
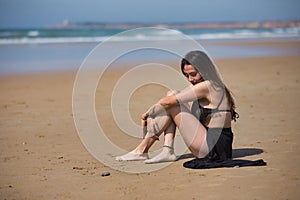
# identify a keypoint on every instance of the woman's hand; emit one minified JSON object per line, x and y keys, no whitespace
{"x":145,"y":115}
{"x":144,"y":123}
{"x":144,"y":127}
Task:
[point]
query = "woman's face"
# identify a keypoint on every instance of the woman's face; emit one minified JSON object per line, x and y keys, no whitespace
{"x":192,"y":74}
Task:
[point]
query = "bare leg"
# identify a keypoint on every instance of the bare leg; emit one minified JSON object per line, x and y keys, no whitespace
{"x":140,"y":152}
{"x":167,"y":154}
{"x":155,"y":128}
{"x":191,"y":130}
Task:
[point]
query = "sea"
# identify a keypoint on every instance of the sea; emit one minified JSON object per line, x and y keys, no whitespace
{"x":51,"y":49}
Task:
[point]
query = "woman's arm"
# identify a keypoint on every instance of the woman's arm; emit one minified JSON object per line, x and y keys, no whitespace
{"x":188,"y":94}
{"x":163,"y":104}
{"x":198,"y":91}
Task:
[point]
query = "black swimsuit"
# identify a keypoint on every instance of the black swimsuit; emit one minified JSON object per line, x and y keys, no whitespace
{"x":219,"y":140}
{"x":202,"y":113}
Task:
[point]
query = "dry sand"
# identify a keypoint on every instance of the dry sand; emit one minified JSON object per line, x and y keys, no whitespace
{"x":42,"y":156}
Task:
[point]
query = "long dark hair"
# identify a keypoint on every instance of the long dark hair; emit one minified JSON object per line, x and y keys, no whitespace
{"x":208,"y":71}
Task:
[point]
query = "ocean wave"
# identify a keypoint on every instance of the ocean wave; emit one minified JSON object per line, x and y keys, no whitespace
{"x":37,"y":37}
{"x":57,"y":40}
{"x":33,"y":33}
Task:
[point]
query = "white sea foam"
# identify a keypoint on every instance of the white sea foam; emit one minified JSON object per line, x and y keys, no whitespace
{"x":33,"y":33}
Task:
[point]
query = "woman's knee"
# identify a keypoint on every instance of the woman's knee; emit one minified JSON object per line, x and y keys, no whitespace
{"x":174,"y":110}
{"x":158,"y":124}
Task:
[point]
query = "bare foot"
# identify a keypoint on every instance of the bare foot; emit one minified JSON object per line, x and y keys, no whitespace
{"x":133,"y":155}
{"x":167,"y":155}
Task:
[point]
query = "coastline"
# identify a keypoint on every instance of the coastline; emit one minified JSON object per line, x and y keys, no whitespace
{"x":42,"y":156}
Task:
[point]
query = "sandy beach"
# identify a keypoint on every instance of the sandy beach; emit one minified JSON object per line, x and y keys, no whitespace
{"x":42,"y":156}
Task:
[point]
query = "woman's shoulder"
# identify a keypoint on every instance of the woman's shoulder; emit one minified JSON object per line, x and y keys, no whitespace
{"x":214,"y":87}
{"x":204,"y":85}
{"x":211,"y":90}
{"x":207,"y":83}
{"x":202,"y":89}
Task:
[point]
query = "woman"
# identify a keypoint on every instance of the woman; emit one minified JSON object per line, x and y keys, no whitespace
{"x":205,"y":126}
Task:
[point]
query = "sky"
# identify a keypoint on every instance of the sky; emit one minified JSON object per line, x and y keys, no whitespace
{"x":43,"y":13}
